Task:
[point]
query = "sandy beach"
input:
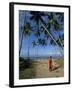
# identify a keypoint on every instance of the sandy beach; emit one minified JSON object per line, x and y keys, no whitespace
{"x":42,"y":70}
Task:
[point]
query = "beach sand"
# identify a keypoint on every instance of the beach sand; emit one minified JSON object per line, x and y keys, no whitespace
{"x":42,"y":70}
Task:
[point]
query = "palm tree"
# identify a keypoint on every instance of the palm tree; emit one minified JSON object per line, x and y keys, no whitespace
{"x":37,"y":16}
{"x":52,"y":21}
{"x":25,"y":32}
{"x":22,"y":35}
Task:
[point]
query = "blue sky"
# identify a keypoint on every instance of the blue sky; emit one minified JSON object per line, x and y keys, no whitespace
{"x":48,"y":50}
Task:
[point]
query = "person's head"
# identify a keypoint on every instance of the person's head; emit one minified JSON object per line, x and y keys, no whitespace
{"x":50,"y":57}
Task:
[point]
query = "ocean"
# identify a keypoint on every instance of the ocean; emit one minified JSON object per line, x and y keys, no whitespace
{"x":42,"y":57}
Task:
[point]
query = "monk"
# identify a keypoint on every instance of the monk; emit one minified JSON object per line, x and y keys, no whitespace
{"x":50,"y":63}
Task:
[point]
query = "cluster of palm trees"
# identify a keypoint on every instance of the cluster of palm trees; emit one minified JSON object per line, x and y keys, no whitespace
{"x":46,"y":23}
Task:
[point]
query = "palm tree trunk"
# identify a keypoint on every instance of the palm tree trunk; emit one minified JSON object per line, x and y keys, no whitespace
{"x":53,"y":39}
{"x":44,"y":26}
{"x":61,"y":42}
{"x":28,"y":49}
{"x":38,"y":29}
{"x":22,"y":37}
{"x":21,"y":43}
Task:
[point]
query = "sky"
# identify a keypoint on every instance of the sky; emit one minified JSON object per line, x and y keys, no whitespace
{"x":39,"y":50}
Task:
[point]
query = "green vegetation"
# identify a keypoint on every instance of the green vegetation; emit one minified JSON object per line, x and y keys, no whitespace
{"x":47,"y":26}
{"x":24,"y":63}
{"x":26,"y":69}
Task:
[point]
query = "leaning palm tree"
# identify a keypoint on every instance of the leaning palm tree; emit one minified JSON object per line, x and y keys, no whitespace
{"x":37,"y":16}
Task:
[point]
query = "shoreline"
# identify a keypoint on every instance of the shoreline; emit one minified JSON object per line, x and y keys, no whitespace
{"x":43,"y":59}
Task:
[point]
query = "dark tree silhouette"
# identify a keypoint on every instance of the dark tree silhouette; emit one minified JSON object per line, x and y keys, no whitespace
{"x":53,"y":22}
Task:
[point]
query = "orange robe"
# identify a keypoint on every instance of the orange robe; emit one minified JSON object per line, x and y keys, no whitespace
{"x":50,"y":64}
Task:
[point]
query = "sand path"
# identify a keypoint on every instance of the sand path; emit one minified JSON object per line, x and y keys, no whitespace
{"x":42,"y":70}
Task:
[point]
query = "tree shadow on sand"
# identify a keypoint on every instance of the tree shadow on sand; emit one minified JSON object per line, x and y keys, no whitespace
{"x":56,"y":68}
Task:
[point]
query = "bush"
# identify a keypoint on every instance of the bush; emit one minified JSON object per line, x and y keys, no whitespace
{"x":24,"y":63}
